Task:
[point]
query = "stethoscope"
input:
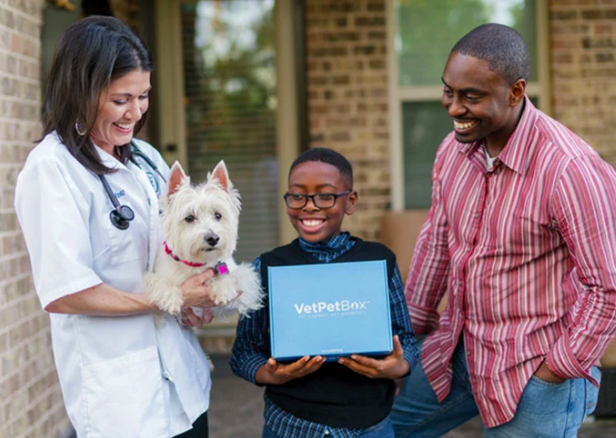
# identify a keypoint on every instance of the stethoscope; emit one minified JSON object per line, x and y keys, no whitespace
{"x":121,"y":215}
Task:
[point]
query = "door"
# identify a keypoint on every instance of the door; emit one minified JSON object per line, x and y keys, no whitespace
{"x":217,"y":78}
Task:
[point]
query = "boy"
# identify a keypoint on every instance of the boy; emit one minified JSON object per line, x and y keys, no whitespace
{"x":311,"y":398}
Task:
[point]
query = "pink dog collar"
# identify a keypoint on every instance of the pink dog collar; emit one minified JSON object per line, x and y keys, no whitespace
{"x":176,"y":258}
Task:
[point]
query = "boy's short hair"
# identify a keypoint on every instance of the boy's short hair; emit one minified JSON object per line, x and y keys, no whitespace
{"x":501,"y":46}
{"x":328,"y":156}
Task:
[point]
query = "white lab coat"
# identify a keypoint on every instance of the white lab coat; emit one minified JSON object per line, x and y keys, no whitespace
{"x":121,"y":377}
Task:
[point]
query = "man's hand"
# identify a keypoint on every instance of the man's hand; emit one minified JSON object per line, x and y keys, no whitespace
{"x":399,"y":383}
{"x":390,"y":367}
{"x":276,"y":373}
{"x":545,"y":374}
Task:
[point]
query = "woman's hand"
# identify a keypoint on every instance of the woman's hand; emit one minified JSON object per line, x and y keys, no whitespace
{"x":193,"y":319}
{"x":276,"y":373}
{"x":196,"y":291}
{"x":390,"y":367}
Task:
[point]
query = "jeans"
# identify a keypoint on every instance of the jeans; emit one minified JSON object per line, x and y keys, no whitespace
{"x":384,"y":429}
{"x":546,"y":410}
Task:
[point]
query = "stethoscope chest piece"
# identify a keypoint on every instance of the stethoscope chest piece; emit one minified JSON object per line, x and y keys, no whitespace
{"x":121,"y":217}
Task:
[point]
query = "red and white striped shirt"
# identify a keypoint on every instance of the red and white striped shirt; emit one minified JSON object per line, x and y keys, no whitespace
{"x":526,"y":253}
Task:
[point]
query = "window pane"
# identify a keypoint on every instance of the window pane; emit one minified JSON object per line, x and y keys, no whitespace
{"x":426,"y":124}
{"x":230,"y":104}
{"x":428,"y":29}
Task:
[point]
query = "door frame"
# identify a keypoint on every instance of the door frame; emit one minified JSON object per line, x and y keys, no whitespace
{"x":290,"y":95}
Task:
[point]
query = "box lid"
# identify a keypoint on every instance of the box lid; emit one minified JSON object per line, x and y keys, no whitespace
{"x":333,"y":309}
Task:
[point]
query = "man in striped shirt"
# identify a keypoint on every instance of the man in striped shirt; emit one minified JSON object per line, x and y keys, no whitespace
{"x":521,"y":239}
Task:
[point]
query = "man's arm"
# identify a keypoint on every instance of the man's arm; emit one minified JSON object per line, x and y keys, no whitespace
{"x":584,"y":209}
{"x":427,"y":279}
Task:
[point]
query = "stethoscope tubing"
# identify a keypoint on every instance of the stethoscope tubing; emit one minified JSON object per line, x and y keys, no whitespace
{"x":136,"y":151}
{"x":121,"y":215}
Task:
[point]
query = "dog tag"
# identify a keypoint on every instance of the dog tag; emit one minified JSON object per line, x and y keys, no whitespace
{"x":222,"y":268}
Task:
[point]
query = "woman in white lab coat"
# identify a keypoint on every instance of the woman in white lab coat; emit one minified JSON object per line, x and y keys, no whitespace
{"x":90,"y":240}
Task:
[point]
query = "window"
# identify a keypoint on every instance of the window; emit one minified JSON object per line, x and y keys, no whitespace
{"x":230,"y":107}
{"x":421,"y":34}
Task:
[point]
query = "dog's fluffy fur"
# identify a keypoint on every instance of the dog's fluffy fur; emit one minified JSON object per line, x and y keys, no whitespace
{"x":200,"y":225}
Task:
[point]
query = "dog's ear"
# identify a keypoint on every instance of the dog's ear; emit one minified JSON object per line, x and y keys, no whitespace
{"x":220,"y":173}
{"x":177,"y":178}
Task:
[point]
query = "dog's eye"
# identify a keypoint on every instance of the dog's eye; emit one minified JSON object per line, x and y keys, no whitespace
{"x":190,"y":218}
{"x":217,"y":216}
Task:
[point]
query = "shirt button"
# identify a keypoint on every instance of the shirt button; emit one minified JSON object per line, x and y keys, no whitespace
{"x":326,"y":433}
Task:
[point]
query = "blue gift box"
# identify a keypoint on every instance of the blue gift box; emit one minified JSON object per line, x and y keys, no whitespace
{"x":332,"y":310}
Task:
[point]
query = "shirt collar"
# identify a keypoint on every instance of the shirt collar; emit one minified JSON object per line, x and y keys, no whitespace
{"x":516,"y":153}
{"x":333,"y":243}
{"x":107,"y":159}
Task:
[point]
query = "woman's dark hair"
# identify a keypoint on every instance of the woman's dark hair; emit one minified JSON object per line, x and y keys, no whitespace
{"x":90,"y":54}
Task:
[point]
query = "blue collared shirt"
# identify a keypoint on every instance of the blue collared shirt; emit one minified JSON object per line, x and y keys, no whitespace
{"x":249,"y":352}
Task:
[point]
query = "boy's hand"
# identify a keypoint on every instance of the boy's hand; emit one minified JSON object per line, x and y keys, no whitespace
{"x":390,"y":367}
{"x":276,"y":373}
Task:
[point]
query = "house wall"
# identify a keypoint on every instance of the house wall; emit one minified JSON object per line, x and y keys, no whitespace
{"x":347,"y":87}
{"x":347,"y":97}
{"x":584,"y":70}
{"x":30,"y":399}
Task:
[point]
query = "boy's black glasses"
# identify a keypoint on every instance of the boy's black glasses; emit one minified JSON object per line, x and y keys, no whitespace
{"x":297,"y":201}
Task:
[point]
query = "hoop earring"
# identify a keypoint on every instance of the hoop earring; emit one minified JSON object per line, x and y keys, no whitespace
{"x":79,"y":129}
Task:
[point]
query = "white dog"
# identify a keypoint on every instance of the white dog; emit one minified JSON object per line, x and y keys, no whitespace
{"x":200,"y":225}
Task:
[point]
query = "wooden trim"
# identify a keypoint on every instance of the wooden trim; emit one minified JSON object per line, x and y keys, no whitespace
{"x":432,"y":93}
{"x":147,"y":30}
{"x":288,"y":126}
{"x":543,"y":56}
{"x":396,"y":158}
{"x":170,"y":82}
{"x":299,"y":27}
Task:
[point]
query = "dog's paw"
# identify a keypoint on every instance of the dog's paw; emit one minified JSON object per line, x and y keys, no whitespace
{"x":163,"y":294}
{"x":249,"y":283}
{"x":223,"y":289}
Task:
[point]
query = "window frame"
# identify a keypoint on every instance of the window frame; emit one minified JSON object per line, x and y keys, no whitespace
{"x":397,"y":95}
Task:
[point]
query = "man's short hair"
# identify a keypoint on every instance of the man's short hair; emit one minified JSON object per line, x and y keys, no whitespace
{"x":501,"y":46}
{"x":328,"y":156}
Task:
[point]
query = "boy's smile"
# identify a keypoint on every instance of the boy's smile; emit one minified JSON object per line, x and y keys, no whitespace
{"x":316,"y":224}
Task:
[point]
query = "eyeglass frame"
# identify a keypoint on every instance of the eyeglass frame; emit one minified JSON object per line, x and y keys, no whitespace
{"x":313,"y":197}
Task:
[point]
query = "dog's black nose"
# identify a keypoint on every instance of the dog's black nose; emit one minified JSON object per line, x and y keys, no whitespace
{"x":211,"y":239}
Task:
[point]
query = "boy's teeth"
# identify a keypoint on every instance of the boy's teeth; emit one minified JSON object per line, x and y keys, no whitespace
{"x":312,"y":223}
{"x":467,"y":125}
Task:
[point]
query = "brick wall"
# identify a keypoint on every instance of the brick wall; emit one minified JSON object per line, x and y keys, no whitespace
{"x":347,"y":97}
{"x":30,"y":399}
{"x":584,"y":70}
